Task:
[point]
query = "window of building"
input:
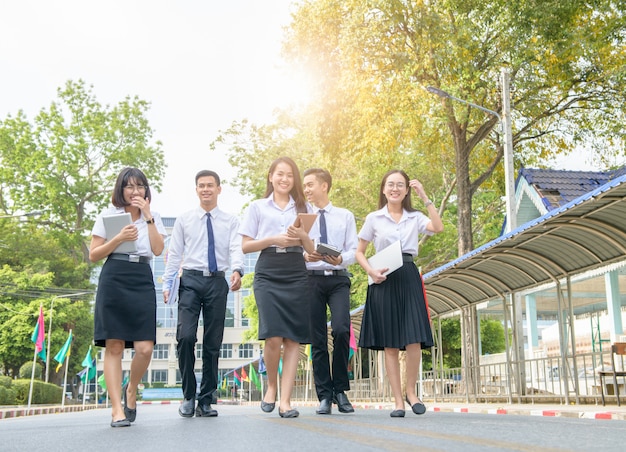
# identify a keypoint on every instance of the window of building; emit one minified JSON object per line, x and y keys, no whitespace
{"x":226,"y":351}
{"x":246,"y":350}
{"x":198,"y":351}
{"x":159,"y":376}
{"x":161,"y":351}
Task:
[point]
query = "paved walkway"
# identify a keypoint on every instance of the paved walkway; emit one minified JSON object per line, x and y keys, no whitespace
{"x":609,"y":412}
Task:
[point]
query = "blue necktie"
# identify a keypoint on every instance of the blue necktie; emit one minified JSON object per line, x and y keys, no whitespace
{"x":324,"y":236}
{"x":212,"y":259}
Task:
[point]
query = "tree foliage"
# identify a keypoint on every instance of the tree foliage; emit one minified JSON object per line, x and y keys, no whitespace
{"x":64,"y":163}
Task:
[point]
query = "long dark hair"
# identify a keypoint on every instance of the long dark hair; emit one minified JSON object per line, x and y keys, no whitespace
{"x":127,"y":174}
{"x":406,"y":202}
{"x":296,"y":192}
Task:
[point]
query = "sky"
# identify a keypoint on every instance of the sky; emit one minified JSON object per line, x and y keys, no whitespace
{"x":200,"y":64}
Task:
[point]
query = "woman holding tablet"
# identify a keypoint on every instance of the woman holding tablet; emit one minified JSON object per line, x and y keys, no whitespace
{"x":396,"y":315}
{"x":280,"y":278}
{"x":125,"y":310}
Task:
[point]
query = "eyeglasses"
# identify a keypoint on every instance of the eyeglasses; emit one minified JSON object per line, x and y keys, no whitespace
{"x":132,"y":188}
{"x":399,"y":185}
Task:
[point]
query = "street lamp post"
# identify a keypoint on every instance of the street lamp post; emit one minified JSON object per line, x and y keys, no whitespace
{"x":69,"y":295}
{"x":505,"y":120}
{"x":34,"y":213}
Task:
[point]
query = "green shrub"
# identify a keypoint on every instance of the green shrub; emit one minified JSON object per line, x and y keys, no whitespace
{"x":7,"y":396}
{"x":27,"y":369}
{"x":43,"y":393}
{"x":5,"y":381}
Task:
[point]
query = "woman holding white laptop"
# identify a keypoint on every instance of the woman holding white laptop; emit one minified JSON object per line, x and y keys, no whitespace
{"x":125,"y":310}
{"x":396,"y":315}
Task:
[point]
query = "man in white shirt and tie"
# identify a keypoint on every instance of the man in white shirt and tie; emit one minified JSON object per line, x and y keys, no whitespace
{"x":205,"y":244}
{"x":330,"y":286}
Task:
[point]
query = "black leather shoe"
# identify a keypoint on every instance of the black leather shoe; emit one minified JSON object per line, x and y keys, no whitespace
{"x":267,"y":407}
{"x":344,"y":405}
{"x":325,"y":407}
{"x":289,"y":413}
{"x":418,"y":408}
{"x":397,"y":413}
{"x":186,"y":408}
{"x":120,"y":423}
{"x":130,"y":413}
{"x":205,"y":410}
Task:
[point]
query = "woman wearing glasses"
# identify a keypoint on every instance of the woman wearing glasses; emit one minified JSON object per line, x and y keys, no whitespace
{"x":125,"y":311}
{"x":396,"y":314}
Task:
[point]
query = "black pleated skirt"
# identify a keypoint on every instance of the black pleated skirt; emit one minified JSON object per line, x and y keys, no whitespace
{"x":282,"y":296}
{"x":396,"y":312}
{"x":125,"y":303}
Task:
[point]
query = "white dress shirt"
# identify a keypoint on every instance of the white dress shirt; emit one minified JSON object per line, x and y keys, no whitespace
{"x":264,"y":218}
{"x":381,"y":228}
{"x":341,"y":233}
{"x":143,"y":240}
{"x":189,"y":244}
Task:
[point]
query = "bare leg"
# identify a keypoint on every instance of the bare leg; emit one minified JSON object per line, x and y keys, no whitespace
{"x":113,"y":376}
{"x":138,"y":367}
{"x":290,"y":366}
{"x":413,"y":357}
{"x":392,"y":366}
{"x":271,"y":355}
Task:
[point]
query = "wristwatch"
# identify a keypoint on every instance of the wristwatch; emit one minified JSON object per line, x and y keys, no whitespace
{"x":150,"y":221}
{"x":238,"y":270}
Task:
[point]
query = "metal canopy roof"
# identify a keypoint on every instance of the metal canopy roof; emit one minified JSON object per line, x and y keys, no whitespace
{"x":587,"y":233}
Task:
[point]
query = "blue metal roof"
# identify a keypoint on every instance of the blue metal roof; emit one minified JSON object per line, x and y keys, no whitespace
{"x":585,"y":233}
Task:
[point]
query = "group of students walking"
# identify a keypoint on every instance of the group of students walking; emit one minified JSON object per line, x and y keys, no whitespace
{"x":294,"y":284}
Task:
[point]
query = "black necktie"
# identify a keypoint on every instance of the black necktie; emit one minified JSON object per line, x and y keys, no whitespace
{"x":324,"y":236}
{"x":212,"y":259}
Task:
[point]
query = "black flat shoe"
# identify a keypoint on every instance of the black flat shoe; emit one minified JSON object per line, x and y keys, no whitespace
{"x":205,"y":410}
{"x":187,"y":408}
{"x":325,"y":407}
{"x":397,"y":413}
{"x":130,"y":413}
{"x":289,"y":413}
{"x":267,"y":407}
{"x":120,"y":423}
{"x":344,"y":405}
{"x":418,"y":408}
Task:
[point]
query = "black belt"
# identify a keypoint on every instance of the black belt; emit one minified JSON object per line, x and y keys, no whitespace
{"x":130,"y":258}
{"x":289,"y":249}
{"x":407,"y":257}
{"x":206,"y":275}
{"x":345,"y":273}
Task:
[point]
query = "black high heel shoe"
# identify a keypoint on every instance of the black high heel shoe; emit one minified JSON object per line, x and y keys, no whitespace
{"x":418,"y":408}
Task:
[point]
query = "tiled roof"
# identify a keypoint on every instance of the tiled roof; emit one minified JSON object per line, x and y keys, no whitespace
{"x":558,"y":187}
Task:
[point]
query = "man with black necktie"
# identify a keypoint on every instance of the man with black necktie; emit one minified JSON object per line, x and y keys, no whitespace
{"x":329,"y":280}
{"x":204,"y":244}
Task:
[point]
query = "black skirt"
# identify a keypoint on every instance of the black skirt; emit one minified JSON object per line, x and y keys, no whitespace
{"x":282,"y":296}
{"x":395,"y":313}
{"x":125,"y":303}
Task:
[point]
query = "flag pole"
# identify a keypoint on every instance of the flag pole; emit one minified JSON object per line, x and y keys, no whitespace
{"x":32,"y":374}
{"x":67,"y":364}
{"x":32,"y":379}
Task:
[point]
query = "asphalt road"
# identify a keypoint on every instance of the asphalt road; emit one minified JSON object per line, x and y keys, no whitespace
{"x":247,"y":428}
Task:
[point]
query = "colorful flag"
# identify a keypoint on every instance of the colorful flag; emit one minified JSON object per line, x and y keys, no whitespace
{"x":102,"y":382}
{"x":38,"y":336}
{"x":280,"y":367}
{"x":244,"y":375}
{"x":254,"y":378}
{"x":224,"y":382}
{"x":89,"y":371}
{"x":352,"y":342}
{"x":307,"y":352}
{"x":64,"y":352}
{"x":236,"y":378}
{"x":262,"y":369}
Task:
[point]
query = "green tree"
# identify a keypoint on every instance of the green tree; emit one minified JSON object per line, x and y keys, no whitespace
{"x":65,"y":162}
{"x":21,"y":294}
